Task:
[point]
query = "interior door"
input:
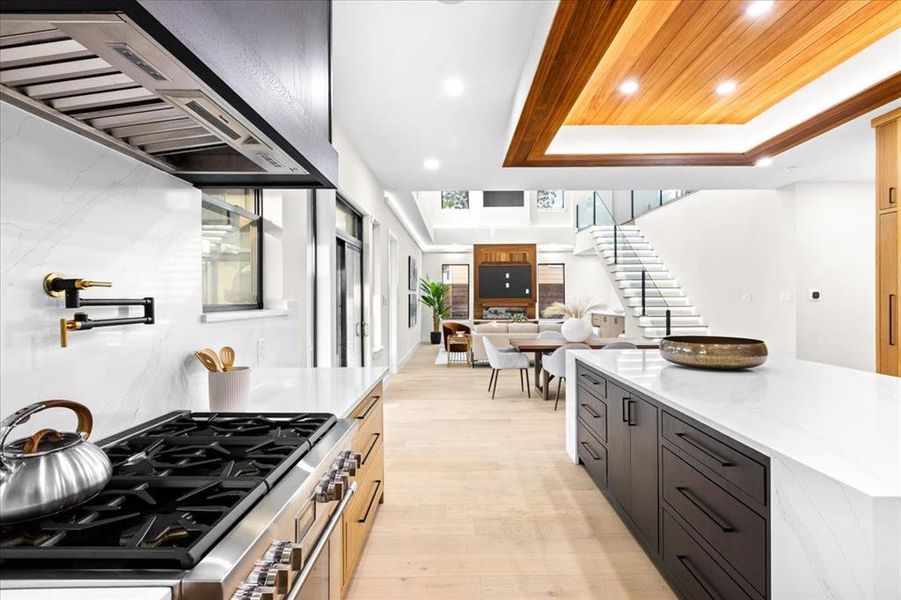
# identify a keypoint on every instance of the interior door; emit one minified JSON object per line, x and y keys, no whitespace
{"x":642,"y":419}
{"x":888,"y":303}
{"x":619,"y":453}
{"x":349,"y":285}
{"x":354,"y":287}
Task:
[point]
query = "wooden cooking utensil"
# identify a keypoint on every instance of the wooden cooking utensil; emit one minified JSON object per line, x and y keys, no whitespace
{"x":227,"y":356}
{"x":207,"y":361}
{"x":215,"y":356}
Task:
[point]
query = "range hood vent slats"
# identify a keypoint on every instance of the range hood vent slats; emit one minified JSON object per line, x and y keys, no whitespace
{"x":106,"y":79}
{"x":46,"y":52}
{"x":55,"y":71}
{"x":82,"y":85}
{"x":116,"y":97}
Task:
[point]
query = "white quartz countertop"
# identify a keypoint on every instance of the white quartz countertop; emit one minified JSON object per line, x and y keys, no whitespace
{"x":843,"y":423}
{"x":155,"y":593}
{"x":334,"y":390}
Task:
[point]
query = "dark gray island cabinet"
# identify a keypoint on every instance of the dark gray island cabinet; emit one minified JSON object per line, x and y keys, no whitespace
{"x":696,"y":500}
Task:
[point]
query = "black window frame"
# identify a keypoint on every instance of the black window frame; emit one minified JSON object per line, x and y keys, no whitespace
{"x":257,"y":217}
{"x":468,"y":287}
{"x":538,"y":283}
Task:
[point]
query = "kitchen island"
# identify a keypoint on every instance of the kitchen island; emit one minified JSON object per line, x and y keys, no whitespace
{"x":779,"y":482}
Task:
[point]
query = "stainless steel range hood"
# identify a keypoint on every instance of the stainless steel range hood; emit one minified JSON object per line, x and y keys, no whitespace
{"x":100,"y":75}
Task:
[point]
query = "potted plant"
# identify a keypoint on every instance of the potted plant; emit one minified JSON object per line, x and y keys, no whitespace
{"x":434,"y":295}
{"x":576,"y":327}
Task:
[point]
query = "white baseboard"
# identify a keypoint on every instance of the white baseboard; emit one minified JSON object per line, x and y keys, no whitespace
{"x":407,"y":356}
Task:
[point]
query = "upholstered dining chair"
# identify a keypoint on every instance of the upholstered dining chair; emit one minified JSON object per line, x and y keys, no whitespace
{"x":555,"y":364}
{"x":620,"y":346}
{"x":506,"y":361}
{"x":554,"y":336}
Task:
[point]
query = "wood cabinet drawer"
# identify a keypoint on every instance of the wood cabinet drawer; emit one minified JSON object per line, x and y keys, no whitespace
{"x":371,"y":429}
{"x":593,"y":454}
{"x":738,"y":533}
{"x":728,"y":462}
{"x":593,"y":413}
{"x":697,"y":574}
{"x":360,"y":513}
{"x":592,"y":380}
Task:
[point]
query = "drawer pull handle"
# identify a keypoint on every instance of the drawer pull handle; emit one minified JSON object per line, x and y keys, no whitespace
{"x":375,"y":400}
{"x":891,"y":195}
{"x":631,"y":419}
{"x":375,"y":493}
{"x":590,"y":451}
{"x":375,"y":440}
{"x":699,"y":504}
{"x":625,"y":411}
{"x":724,"y":462}
{"x":700,"y":579}
{"x":591,"y":411}
{"x":591,"y":379}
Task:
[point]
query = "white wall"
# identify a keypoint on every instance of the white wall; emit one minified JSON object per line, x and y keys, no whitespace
{"x":73,"y":206}
{"x":359,"y":186}
{"x":771,"y":247}
{"x":836,"y":239}
{"x":731,"y":250}
{"x":585,"y":277}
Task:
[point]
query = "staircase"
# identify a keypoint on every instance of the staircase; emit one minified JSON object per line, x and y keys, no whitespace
{"x":625,"y":260}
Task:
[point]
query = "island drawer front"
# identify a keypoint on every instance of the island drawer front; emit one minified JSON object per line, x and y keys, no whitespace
{"x":731,"y":464}
{"x":697,"y":574}
{"x":593,"y":413}
{"x":593,"y":454}
{"x":737,"y":532}
{"x":592,"y":380}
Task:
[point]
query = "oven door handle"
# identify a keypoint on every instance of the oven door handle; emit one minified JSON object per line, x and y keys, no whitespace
{"x":321,"y":544}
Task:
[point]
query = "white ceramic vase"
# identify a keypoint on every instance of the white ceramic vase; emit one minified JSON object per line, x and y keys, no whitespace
{"x":576,"y":330}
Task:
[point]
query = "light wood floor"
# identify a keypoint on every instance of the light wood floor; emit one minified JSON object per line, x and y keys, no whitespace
{"x":482,"y":502}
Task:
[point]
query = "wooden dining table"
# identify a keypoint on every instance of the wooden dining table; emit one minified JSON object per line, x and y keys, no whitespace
{"x":542,"y":347}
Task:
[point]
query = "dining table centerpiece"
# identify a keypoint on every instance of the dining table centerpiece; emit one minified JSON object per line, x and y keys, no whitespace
{"x":576,"y":326}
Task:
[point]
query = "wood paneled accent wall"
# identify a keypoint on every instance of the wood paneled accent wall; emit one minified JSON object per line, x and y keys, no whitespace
{"x":504,"y":254}
{"x":888,"y":243}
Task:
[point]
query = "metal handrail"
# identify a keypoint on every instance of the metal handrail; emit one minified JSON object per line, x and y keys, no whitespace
{"x":647,"y":281}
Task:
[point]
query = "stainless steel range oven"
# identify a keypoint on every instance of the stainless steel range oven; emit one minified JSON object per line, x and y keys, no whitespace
{"x":212,"y":506}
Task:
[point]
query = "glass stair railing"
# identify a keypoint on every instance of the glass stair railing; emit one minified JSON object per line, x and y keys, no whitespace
{"x":622,"y":207}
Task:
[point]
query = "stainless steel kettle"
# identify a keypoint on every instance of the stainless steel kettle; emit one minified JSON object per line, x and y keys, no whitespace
{"x":51,"y":470}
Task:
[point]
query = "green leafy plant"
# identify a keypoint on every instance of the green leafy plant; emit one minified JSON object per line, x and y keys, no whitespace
{"x":573,"y":310}
{"x":434,"y":295}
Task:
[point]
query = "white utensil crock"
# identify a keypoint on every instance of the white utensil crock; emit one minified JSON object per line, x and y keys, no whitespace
{"x":230,"y":391}
{"x":576,"y":330}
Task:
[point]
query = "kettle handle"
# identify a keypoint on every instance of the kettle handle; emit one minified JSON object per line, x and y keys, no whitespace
{"x":85,"y":420}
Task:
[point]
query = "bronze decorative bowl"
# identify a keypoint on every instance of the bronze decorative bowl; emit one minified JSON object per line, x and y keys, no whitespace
{"x":713,"y":352}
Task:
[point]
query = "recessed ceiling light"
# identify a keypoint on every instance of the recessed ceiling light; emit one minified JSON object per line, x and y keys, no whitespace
{"x":630,"y":86}
{"x":453,"y":87}
{"x":726,"y":87}
{"x":759,"y":7}
{"x":764,"y":162}
{"x":431,"y":164}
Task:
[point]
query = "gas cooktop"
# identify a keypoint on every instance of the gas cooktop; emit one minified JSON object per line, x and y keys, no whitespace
{"x":179,"y":483}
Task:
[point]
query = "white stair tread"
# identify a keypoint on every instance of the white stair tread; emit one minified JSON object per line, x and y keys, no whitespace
{"x":627,"y":253}
{"x":675,"y":292}
{"x":661,"y":302}
{"x":653,"y":268}
{"x":657,"y":332}
{"x":650,"y":284}
{"x":634,"y":260}
{"x":675,"y":321}
{"x":635,"y":275}
{"x":658,"y":311}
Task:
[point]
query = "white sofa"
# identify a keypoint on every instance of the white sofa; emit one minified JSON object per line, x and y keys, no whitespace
{"x":502,"y":333}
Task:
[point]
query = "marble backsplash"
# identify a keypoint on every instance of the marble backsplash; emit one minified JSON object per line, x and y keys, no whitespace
{"x":73,"y":206}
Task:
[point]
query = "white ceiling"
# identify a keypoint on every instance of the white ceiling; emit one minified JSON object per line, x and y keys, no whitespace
{"x":392,"y":57}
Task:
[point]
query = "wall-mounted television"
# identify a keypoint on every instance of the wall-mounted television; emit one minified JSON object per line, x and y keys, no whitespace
{"x":505,"y":281}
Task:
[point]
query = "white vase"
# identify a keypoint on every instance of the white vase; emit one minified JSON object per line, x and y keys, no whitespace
{"x":576,"y":330}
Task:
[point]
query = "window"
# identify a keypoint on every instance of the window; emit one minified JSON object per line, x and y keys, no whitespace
{"x":551,"y":285}
{"x":455,"y":200}
{"x":347,"y":221}
{"x":232,"y":249}
{"x":550,"y":200}
{"x":456,"y":278}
